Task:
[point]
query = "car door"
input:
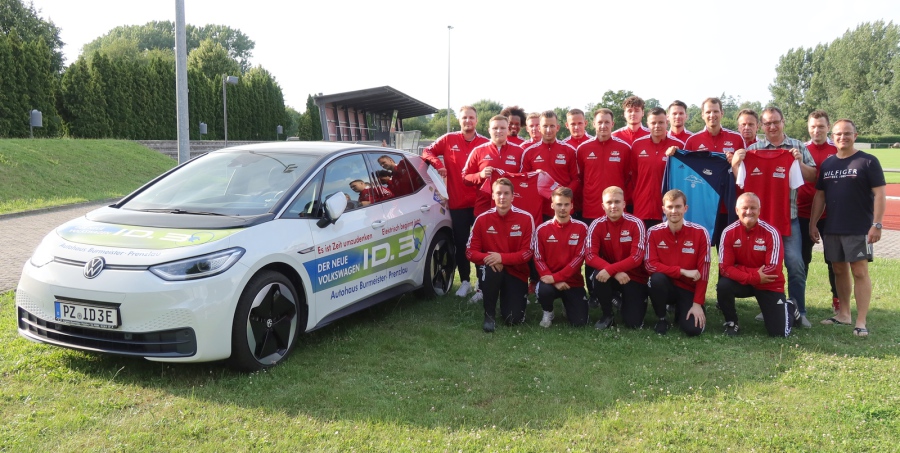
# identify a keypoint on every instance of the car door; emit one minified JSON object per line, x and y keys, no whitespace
{"x":342,"y":271}
{"x":408,"y":213}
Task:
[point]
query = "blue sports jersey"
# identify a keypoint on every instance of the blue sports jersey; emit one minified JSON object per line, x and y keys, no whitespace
{"x":706,"y":179}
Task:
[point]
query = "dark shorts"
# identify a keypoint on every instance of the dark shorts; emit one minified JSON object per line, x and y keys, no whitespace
{"x":846,"y":248}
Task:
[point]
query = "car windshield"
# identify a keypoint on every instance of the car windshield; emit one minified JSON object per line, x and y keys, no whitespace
{"x":237,"y":183}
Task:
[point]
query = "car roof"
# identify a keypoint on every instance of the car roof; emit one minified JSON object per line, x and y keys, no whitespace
{"x":311,"y":148}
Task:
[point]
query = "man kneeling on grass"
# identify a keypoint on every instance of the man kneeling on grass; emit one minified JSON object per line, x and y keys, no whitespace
{"x":500,"y":244}
{"x":750,"y":264}
{"x":558,"y":256}
{"x":678,"y":262}
{"x":615,"y":249}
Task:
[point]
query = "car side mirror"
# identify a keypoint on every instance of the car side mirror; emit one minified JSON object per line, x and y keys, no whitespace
{"x":335,"y":204}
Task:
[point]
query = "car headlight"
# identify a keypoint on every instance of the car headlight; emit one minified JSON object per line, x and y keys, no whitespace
{"x":42,"y":256}
{"x":198,"y":266}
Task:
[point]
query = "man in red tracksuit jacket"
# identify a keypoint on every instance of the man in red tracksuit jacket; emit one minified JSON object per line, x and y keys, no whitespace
{"x":558,"y":256}
{"x":552,"y":156}
{"x":751,"y":262}
{"x":677,"y":260}
{"x":615,"y":249}
{"x":498,"y":153}
{"x":454,"y":148}
{"x":500,"y":244}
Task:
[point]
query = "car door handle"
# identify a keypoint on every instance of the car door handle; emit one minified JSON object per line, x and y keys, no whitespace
{"x":425,"y":208}
{"x":377,"y":224}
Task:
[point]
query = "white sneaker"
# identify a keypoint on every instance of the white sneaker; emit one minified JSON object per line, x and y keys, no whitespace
{"x":759,"y":317}
{"x":464,"y":289}
{"x":476,"y":298}
{"x":547,"y":320}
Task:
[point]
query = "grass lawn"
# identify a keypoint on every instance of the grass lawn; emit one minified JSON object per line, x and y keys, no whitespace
{"x":415,"y":375}
{"x":53,"y":172}
{"x":889,"y":158}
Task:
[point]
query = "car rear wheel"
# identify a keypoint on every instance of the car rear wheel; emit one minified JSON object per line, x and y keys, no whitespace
{"x":439,"y":267}
{"x":266,"y":322}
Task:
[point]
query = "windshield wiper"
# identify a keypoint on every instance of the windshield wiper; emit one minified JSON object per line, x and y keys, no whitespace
{"x":181,"y":211}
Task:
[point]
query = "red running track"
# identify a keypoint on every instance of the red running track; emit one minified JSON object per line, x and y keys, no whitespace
{"x":892,"y":210}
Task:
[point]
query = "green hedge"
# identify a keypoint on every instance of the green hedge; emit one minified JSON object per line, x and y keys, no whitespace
{"x":889,"y":139}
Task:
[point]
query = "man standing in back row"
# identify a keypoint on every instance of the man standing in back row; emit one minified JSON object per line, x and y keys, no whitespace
{"x":633,"y":129}
{"x":552,"y":156}
{"x":851,"y":184}
{"x":455,"y":148}
{"x":821,"y":148}
{"x":677,"y":116}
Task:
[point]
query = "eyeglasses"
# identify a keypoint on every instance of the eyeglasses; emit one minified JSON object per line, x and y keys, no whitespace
{"x":772,"y":123}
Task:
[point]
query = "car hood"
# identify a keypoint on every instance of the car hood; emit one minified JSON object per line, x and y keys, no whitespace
{"x":88,"y":232}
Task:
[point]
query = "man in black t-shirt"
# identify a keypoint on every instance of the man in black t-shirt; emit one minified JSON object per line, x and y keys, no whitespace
{"x":851,"y":184}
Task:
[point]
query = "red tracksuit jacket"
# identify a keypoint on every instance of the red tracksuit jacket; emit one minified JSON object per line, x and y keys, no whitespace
{"x":669,"y":253}
{"x":742,"y":253}
{"x":618,"y":247}
{"x":559,"y":251}
{"x":509,"y":235}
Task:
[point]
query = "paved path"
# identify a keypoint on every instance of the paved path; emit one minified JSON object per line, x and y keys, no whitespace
{"x":21,"y":233}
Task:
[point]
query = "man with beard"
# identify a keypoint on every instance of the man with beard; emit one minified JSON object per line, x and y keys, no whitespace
{"x":455,"y":148}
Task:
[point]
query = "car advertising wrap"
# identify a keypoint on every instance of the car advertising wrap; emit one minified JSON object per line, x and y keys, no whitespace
{"x":351,"y":261}
{"x":127,"y":236}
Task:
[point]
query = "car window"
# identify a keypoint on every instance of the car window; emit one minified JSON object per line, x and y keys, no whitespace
{"x":307,"y":205}
{"x":396,"y":173}
{"x":229,"y":183}
{"x":349,"y":175}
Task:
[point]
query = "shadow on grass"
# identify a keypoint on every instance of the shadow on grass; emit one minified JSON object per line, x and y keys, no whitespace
{"x":427,"y":363}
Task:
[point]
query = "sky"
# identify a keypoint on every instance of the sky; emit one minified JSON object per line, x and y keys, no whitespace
{"x":539,"y":57}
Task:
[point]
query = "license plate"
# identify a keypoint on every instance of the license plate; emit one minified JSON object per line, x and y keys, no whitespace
{"x":89,"y":315}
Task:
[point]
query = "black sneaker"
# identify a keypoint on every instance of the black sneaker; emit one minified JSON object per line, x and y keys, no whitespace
{"x":605,"y":323}
{"x":489,"y":323}
{"x":662,"y":327}
{"x":731,"y":329}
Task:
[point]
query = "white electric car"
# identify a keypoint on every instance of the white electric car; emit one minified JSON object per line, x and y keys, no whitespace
{"x":238,"y":252}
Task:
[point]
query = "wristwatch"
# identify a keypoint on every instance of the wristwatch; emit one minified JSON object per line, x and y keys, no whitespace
{"x":877,"y":225}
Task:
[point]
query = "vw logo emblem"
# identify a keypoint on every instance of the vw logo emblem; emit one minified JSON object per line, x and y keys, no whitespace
{"x":93,"y":267}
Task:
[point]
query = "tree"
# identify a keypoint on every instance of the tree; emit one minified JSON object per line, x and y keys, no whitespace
{"x":239,"y":46}
{"x":563,"y":131}
{"x":160,"y":36}
{"x":486,"y":109}
{"x":851,"y":77}
{"x":212,"y":60}
{"x":438,"y":124}
{"x":315,"y":125}
{"x":292,"y":127}
{"x":81,"y":103}
{"x":419,"y":123}
{"x":611,"y":100}
{"x":30,"y":27}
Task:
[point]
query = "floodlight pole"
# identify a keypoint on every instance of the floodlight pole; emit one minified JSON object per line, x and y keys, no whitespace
{"x":232,"y":80}
{"x":449,"y":27}
{"x":181,"y":84}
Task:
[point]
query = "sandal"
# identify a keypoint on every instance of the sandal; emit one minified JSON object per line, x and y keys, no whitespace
{"x":832,"y":321}
{"x":861,"y":332}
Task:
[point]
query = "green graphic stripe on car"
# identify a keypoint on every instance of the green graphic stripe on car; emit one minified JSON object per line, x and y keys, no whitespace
{"x":127,"y":236}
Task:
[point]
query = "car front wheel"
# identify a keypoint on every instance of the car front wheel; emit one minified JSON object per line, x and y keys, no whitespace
{"x":266,"y":320}
{"x":439,"y":267}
